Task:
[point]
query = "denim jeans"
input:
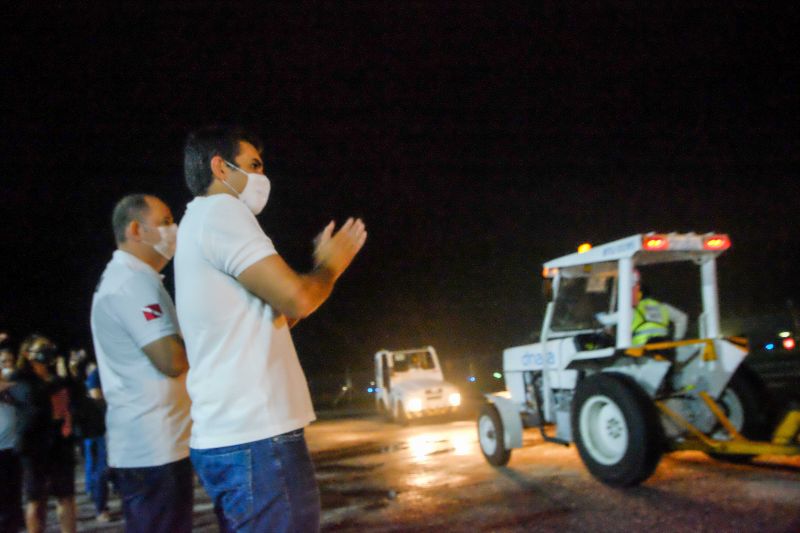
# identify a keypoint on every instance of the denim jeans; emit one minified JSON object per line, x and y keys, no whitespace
{"x":94,"y":450}
{"x":157,"y":499}
{"x":266,"y":485}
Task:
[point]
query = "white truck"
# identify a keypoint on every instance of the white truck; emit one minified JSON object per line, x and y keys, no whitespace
{"x":625,"y":405}
{"x":410,"y":384}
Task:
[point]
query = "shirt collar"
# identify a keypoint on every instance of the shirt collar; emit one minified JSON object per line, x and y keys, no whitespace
{"x":133,"y":262}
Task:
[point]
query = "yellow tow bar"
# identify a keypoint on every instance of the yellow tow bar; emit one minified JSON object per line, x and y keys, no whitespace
{"x":784,"y":440}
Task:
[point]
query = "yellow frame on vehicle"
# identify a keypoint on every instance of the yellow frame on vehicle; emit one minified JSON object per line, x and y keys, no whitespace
{"x":784,"y":440}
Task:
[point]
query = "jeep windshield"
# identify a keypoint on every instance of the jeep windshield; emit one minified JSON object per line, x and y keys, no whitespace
{"x":579,"y":300}
{"x":403,"y":362}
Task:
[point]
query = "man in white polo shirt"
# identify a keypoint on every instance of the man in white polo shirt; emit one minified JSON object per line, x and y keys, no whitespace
{"x":236,"y":301}
{"x":142,"y":364}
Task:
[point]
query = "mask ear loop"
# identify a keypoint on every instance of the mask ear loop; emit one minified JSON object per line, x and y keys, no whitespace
{"x":228,"y":185}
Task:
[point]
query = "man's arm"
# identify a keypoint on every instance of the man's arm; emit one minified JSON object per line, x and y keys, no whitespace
{"x":298,"y":295}
{"x":168,"y":355}
{"x":291,"y":294}
{"x":679,"y":318}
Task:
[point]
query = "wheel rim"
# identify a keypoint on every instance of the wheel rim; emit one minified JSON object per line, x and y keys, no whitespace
{"x":734,"y":410}
{"x":488,"y":435}
{"x":604,"y":431}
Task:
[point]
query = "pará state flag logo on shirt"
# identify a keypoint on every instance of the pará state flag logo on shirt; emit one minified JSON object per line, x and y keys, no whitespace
{"x":152,"y":311}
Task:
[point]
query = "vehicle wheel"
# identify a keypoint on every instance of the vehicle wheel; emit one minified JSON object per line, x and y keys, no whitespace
{"x":616,"y":429}
{"x":742,"y":403}
{"x":400,"y":415}
{"x":383,"y":411}
{"x":490,"y":436}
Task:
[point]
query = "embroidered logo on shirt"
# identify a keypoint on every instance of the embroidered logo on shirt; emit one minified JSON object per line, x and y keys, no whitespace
{"x":152,"y":311}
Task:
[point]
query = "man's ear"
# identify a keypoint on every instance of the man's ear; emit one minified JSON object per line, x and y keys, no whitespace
{"x":134,"y":231}
{"x":218,"y":168}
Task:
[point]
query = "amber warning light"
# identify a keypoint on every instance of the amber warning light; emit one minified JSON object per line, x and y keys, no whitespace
{"x":655,"y":243}
{"x":716,"y":242}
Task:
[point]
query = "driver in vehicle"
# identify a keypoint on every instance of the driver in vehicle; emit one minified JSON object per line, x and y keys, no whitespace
{"x":651,"y":318}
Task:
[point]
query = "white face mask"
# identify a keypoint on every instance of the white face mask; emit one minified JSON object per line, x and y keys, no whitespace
{"x":7,"y":372}
{"x":256,"y":193}
{"x":169,"y":239}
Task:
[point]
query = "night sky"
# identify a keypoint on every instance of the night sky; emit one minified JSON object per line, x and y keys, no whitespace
{"x":476,"y":141}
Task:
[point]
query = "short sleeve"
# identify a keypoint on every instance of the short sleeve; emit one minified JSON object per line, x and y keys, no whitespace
{"x":144,"y":309}
{"x":231,"y":239}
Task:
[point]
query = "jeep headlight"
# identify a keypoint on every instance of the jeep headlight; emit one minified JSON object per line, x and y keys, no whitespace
{"x":455,"y":399}
{"x":414,"y":405}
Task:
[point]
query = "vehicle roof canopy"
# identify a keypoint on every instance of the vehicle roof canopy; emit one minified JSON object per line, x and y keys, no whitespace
{"x":644,"y":249}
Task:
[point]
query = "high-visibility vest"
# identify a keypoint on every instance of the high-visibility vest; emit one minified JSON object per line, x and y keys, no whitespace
{"x":650,"y":319}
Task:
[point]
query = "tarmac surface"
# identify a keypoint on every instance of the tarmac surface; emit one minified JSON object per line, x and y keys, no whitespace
{"x":431,"y":476}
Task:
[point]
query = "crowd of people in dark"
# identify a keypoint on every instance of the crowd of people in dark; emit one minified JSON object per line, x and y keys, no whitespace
{"x":51,"y":413}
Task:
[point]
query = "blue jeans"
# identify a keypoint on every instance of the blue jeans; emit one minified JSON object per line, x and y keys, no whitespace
{"x":266,"y":485}
{"x":94,"y":450}
{"x":157,"y":499}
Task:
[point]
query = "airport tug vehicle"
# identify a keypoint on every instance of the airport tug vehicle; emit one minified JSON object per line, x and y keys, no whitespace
{"x":622,"y":405}
{"x":410,"y":385}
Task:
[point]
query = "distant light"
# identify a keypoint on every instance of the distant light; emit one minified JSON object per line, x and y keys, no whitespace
{"x":655,"y":243}
{"x":471,"y":379}
{"x":583,"y":248}
{"x":788,"y":344}
{"x":770,"y":346}
{"x":784,"y":334}
{"x":344,"y":387}
{"x":370,"y":390}
{"x":497,"y":375}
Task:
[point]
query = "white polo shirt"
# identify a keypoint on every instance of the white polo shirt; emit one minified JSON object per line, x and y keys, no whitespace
{"x":148,"y":421}
{"x":245,"y":379}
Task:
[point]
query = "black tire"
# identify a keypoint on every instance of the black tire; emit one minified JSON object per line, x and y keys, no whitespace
{"x":746,"y":389}
{"x":401,"y":417}
{"x":627,"y":413}
{"x":384,"y":413}
{"x":490,"y":430}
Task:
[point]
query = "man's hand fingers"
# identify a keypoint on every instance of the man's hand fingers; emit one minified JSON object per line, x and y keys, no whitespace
{"x":325,"y":234}
{"x":347,"y":226}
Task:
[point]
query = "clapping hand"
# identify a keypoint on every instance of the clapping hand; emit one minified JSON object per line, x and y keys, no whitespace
{"x":335,"y":251}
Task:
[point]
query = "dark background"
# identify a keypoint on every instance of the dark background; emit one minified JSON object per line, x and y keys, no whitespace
{"x":477,"y":140}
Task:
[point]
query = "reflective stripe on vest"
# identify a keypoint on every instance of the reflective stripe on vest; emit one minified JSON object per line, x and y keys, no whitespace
{"x":650,"y":319}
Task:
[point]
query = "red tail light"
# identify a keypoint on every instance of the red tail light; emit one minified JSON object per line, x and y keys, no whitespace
{"x":716,"y":242}
{"x":655,"y":243}
{"x":788,"y":344}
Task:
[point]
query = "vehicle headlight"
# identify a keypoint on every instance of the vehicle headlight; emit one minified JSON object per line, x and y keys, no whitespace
{"x":455,"y":399}
{"x":414,"y":405}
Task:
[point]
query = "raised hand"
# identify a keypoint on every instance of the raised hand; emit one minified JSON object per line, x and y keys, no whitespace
{"x":335,"y":251}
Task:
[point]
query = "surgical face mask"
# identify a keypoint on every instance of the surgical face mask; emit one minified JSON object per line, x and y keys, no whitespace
{"x":256,"y":193}
{"x":7,"y":372}
{"x":169,"y":238}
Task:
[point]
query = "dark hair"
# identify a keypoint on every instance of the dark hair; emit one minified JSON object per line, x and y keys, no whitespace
{"x":131,"y":207}
{"x":202,"y":145}
{"x":38,"y":344}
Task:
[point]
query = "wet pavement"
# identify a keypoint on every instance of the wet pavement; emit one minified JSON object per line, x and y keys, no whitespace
{"x":431,"y":476}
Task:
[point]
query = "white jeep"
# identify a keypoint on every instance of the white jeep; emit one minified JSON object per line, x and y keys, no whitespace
{"x":410,"y":385}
